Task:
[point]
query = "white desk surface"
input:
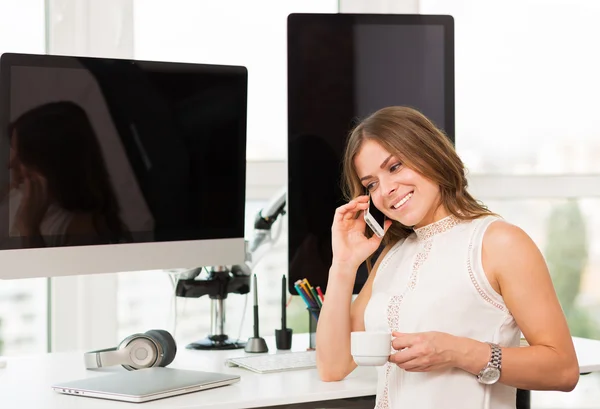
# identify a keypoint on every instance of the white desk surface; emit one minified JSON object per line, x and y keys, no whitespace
{"x":25,"y":382}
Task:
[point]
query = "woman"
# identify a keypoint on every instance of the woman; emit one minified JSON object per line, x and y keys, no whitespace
{"x":455,"y":285}
{"x":59,"y":179}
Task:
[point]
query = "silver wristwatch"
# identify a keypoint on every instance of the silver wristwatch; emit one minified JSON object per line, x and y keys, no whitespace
{"x":491,"y":373}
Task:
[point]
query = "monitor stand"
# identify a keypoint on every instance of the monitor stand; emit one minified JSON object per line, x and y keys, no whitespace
{"x":220,"y":282}
{"x":217,"y":338}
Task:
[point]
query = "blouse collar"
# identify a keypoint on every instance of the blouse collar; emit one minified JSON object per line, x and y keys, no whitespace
{"x":438,"y":227}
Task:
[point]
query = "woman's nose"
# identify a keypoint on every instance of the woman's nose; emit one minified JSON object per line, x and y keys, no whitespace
{"x":388,"y":187}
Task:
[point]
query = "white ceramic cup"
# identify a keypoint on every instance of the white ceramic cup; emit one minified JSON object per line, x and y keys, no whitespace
{"x":370,"y":348}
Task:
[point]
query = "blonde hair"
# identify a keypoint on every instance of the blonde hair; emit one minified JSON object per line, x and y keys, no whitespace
{"x":420,"y":145}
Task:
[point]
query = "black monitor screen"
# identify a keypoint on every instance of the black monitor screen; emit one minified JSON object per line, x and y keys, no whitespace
{"x":102,"y":151}
{"x":341,"y":68}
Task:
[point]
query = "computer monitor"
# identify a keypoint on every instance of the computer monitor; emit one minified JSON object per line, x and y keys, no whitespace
{"x":341,"y":68}
{"x":112,"y":165}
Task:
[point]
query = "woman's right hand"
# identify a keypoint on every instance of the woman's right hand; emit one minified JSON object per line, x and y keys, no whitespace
{"x":350,"y":245}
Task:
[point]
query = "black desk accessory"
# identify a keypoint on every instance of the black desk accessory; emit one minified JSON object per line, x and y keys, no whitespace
{"x":256,"y":344}
{"x":283,"y":336}
{"x":221,"y":282}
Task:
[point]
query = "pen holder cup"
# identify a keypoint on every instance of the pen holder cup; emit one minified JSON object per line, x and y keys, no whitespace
{"x":313,"y":318}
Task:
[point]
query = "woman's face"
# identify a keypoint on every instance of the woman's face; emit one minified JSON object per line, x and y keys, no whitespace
{"x":14,"y":164}
{"x":401,"y":193}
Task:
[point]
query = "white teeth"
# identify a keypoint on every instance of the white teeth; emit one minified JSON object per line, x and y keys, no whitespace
{"x":404,"y":200}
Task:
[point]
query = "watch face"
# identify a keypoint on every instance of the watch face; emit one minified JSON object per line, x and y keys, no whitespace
{"x":490,"y":376}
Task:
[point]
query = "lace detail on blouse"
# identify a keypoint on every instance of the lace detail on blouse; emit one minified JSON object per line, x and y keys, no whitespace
{"x":441,"y":226}
{"x":482,"y":293}
{"x":420,"y":259}
{"x":393,"y":311}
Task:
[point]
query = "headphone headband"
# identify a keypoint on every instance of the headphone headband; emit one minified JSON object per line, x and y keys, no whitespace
{"x":153,"y":348}
{"x":104,"y":357}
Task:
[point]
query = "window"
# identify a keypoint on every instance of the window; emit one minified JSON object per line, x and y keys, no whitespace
{"x":566,"y":230}
{"x":526,"y":84}
{"x":23,"y":303}
{"x":23,"y":316}
{"x":238,"y":32}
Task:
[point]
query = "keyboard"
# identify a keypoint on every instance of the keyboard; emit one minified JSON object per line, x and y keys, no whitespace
{"x":281,"y":361}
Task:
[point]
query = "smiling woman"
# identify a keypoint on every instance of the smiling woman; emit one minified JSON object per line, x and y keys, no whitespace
{"x":388,"y":148}
{"x":456,"y":284}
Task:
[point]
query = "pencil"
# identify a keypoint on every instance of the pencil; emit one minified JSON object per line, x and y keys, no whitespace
{"x":316,"y":297}
{"x":306,"y":293}
{"x":320,"y":294}
{"x":309,"y":290}
{"x":301,"y":294}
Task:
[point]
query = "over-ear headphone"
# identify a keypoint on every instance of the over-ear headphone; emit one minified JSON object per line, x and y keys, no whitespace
{"x":152,"y":348}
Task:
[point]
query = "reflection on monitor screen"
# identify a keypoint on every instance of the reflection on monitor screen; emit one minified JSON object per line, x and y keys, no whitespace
{"x":341,"y":68}
{"x":117,"y":165}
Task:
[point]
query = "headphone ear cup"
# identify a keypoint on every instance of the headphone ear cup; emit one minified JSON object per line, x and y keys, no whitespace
{"x":142,"y":351}
{"x":167,"y":343}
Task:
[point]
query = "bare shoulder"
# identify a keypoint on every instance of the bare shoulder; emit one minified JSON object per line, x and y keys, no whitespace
{"x":508,"y":252}
{"x":502,"y":236}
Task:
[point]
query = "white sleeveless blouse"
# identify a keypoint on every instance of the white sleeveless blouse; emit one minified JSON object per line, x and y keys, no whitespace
{"x":433,"y":280}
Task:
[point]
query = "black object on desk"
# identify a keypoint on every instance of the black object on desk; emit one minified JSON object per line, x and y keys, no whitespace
{"x":523,"y":399}
{"x":220,"y":282}
{"x":283,"y":336}
{"x":313,"y":319}
{"x":256,"y":344}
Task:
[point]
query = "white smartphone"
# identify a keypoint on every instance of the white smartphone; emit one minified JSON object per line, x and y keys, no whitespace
{"x":375,"y":219}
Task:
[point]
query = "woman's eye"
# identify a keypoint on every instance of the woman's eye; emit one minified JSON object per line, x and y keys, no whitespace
{"x":370,"y":186}
{"x":395,"y":167}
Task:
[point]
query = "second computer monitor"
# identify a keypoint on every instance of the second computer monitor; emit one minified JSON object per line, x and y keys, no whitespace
{"x":341,"y":68}
{"x":111,"y":165}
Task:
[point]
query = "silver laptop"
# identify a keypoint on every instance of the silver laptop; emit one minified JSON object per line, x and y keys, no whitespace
{"x":145,"y":385}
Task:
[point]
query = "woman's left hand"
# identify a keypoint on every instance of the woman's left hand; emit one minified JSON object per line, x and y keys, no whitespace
{"x":423,"y":351}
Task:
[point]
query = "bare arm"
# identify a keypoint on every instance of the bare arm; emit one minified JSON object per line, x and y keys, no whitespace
{"x":513,"y":260}
{"x":338,"y":318}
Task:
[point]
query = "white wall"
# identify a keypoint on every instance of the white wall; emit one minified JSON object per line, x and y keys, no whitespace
{"x":90,"y":27}
{"x":379,"y":6}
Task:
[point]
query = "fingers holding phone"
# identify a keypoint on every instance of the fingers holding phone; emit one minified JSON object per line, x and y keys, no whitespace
{"x":375,"y":219}
{"x":350,"y":245}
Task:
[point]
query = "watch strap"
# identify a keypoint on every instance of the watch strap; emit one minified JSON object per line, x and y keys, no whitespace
{"x":496,"y":356}
{"x":495,"y":360}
